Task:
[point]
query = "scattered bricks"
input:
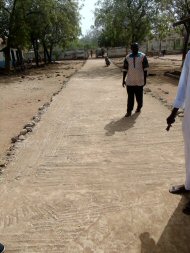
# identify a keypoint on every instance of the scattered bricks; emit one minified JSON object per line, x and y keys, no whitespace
{"x":30,"y":124}
{"x":40,"y":113}
{"x":147,"y":89}
{"x":41,"y":108}
{"x":12,"y":147}
{"x":170,"y":107}
{"x":9,"y":153}
{"x":29,"y":129}
{"x":36,"y":119}
{"x":21,"y":138}
{"x":181,"y":115}
{"x":14,"y":139}
{"x":23,"y":132}
{"x":46,"y":104}
{"x":3,"y":164}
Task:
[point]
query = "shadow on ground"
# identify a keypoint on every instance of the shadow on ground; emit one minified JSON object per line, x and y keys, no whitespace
{"x":175,"y":237}
{"x":121,"y":125}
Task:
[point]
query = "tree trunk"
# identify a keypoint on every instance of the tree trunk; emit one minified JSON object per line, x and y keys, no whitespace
{"x":7,"y":58}
{"x":133,"y":38}
{"x":21,"y":59}
{"x":35,"y":47}
{"x":160,"y":47}
{"x":51,"y":52}
{"x":45,"y":59}
{"x":46,"y":53}
{"x":9,"y":40}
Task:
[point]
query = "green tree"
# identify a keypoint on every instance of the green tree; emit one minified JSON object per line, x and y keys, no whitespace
{"x":179,"y":9}
{"x":62,"y":28}
{"x":124,"y":21}
{"x":12,"y":26}
{"x":90,"y":40}
{"x":162,"y":26}
{"x":39,"y":17}
{"x":40,"y":23}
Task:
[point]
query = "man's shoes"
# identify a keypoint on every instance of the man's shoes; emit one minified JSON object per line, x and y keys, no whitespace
{"x":138,"y":110}
{"x":2,"y":248}
{"x":128,"y":114}
{"x":178,"y":189}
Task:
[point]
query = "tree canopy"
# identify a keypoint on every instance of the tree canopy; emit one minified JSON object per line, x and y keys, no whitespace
{"x":121,"y":22}
{"x":38,"y":23}
{"x":124,"y":21}
{"x":44,"y":24}
{"x":179,"y":9}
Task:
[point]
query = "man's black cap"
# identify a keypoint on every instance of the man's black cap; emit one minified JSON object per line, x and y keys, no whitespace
{"x":135,"y":45}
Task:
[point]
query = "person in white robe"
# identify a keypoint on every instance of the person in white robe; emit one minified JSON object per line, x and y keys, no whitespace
{"x":182,"y":100}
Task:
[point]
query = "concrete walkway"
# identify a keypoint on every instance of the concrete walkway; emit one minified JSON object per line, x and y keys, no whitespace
{"x":89,"y":180}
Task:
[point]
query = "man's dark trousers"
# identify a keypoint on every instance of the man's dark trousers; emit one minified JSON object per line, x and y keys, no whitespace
{"x":134,"y":92}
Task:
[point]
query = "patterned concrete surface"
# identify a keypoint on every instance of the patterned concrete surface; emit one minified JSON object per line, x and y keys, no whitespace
{"x":89,"y":180}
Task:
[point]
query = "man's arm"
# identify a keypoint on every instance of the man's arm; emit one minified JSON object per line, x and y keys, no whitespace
{"x":145,"y":76}
{"x":125,"y":69}
{"x":145,"y":67}
{"x":124,"y":76}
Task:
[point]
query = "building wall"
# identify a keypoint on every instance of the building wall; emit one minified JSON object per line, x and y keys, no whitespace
{"x":172,"y":44}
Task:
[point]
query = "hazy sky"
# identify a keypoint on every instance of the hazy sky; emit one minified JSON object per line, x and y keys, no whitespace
{"x":87,"y":15}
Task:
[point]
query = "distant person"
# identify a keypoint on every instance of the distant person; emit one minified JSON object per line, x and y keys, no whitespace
{"x":91,"y":53}
{"x":135,"y":68}
{"x":107,"y":61}
{"x":2,"y":248}
{"x":163,"y":52}
{"x":182,"y":100}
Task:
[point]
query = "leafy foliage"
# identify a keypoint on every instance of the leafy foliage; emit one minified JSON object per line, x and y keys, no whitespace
{"x":124,"y":21}
{"x":179,"y":9}
{"x":40,"y":23}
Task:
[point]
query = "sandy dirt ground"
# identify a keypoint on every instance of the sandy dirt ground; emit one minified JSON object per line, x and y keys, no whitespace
{"x":24,"y":97}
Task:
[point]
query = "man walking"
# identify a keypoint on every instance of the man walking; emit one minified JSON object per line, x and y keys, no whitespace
{"x":135,"y":68}
{"x":183,"y":101}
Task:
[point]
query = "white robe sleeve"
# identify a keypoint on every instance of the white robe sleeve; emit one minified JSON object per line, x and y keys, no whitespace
{"x":181,"y":92}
